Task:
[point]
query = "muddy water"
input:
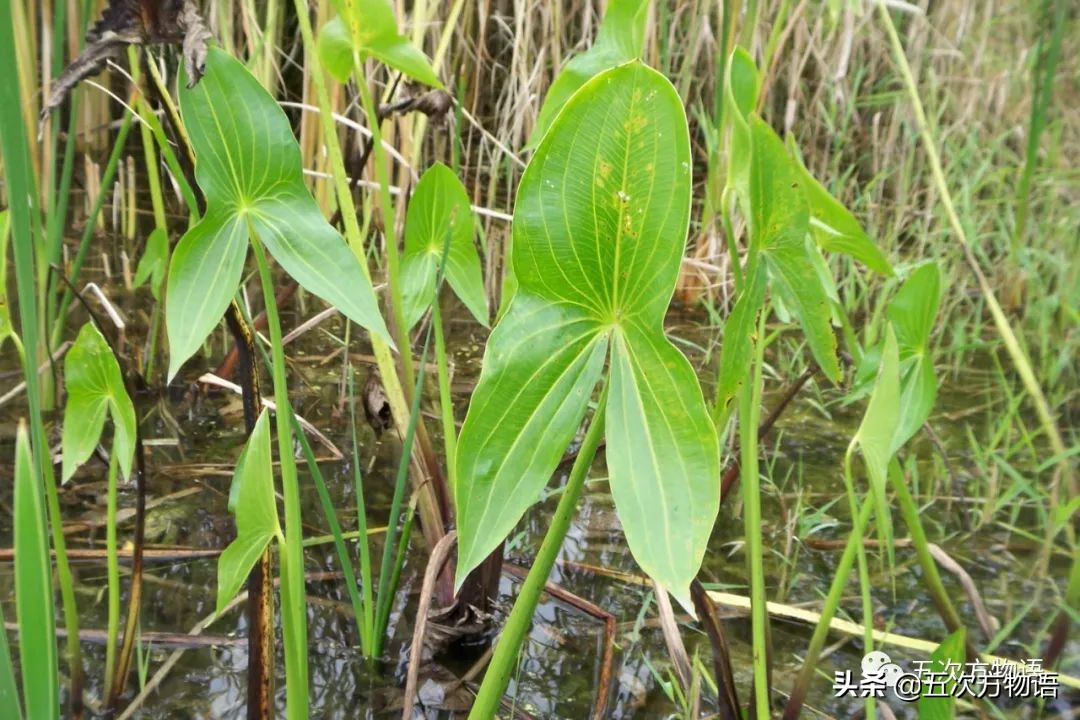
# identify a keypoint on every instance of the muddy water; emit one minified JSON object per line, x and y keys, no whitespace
{"x":199,"y":437}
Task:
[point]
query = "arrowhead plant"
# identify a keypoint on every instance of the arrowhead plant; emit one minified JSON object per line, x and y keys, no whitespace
{"x":599,"y":228}
{"x":248,"y":164}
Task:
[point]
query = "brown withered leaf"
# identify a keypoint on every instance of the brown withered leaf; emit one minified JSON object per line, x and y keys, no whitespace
{"x":136,"y":22}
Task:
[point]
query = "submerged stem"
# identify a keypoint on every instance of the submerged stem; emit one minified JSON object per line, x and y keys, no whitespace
{"x":517,"y":625}
{"x":113,"y":573}
{"x":832,"y":601}
{"x":293,"y":599}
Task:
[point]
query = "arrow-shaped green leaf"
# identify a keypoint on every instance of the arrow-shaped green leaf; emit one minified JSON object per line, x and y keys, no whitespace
{"x":440,"y":205}
{"x":599,"y":229}
{"x":95,"y":387}
{"x":780,"y":221}
{"x":252,"y":500}
{"x":154,"y":261}
{"x":372,"y":28}
{"x":874,"y":437}
{"x":249,"y":166}
{"x":912,"y":313}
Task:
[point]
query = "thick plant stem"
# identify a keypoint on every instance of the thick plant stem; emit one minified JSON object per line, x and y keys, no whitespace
{"x":749,"y":412}
{"x":864,"y":572}
{"x":386,"y":205}
{"x":399,"y":406}
{"x":793,"y":710}
{"x":517,"y":625}
{"x":931,"y":578}
{"x":397,"y":303}
{"x":293,"y":598}
{"x":260,"y":605}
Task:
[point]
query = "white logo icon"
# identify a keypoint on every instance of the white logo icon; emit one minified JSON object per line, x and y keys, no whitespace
{"x":878,"y":666}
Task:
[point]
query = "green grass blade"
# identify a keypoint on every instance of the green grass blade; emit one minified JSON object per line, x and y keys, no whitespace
{"x":361,"y":527}
{"x":9,"y":692}
{"x":359,"y":610}
{"x":33,"y":588}
{"x":26,"y":232}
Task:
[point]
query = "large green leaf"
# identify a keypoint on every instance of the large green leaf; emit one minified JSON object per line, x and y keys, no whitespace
{"x":912,"y":313}
{"x":440,"y":207}
{"x":252,"y":500}
{"x":248,"y":165}
{"x":95,"y":387}
{"x":621,"y":38}
{"x":372,"y":28}
{"x":599,"y":229}
{"x":540,"y":366}
{"x":34,"y":604}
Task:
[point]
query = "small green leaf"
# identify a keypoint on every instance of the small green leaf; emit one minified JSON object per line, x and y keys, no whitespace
{"x":914,"y":309}
{"x":912,"y":313}
{"x":372,"y":29}
{"x":248,"y":164}
{"x":440,"y":205}
{"x":779,"y":222}
{"x":599,"y":231}
{"x":621,"y":38}
{"x":951,"y":651}
{"x":34,"y":602}
{"x":740,"y":98}
{"x":252,"y":500}
{"x":835,"y":228}
{"x":153,"y":262}
{"x":737,"y":350}
{"x":335,"y":49}
{"x":875,"y":434}
{"x":95,"y":386}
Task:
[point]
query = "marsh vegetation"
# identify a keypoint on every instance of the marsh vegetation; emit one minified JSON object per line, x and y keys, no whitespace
{"x":569,"y":359}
